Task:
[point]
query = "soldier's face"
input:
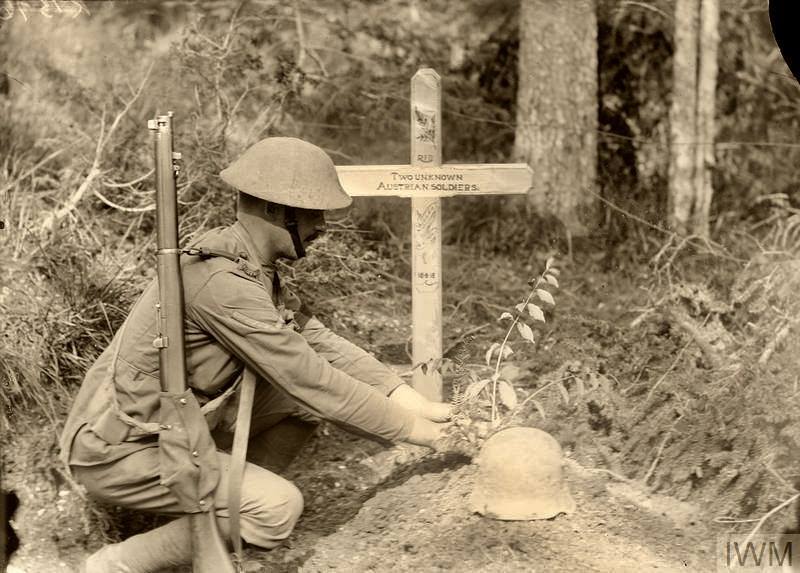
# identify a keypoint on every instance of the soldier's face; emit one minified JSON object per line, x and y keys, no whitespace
{"x":310,"y":224}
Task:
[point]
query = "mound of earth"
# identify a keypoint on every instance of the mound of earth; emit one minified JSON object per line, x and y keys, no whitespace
{"x":417,"y":520}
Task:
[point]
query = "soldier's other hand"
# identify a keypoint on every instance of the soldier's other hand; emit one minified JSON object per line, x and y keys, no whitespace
{"x":427,"y":433}
{"x":410,"y":399}
{"x":438,"y":411}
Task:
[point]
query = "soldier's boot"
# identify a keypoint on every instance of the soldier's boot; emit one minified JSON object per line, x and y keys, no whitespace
{"x":167,"y":546}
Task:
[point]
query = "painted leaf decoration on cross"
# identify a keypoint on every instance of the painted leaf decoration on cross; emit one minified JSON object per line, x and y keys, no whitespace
{"x":545,"y":296}
{"x":474,"y":388}
{"x":525,"y":331}
{"x":535,"y":312}
{"x":551,"y":279}
{"x":489,"y":353}
{"x":507,"y":394}
{"x":431,"y":366}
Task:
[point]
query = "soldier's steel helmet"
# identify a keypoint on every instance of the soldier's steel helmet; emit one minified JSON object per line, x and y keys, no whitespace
{"x":288,"y":171}
{"x":520,"y":476}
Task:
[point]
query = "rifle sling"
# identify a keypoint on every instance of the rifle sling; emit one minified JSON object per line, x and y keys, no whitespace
{"x":239,"y":460}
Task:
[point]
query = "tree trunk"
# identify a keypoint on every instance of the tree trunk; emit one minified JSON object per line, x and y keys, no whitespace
{"x":692,"y":130}
{"x":706,"y":108}
{"x":557,"y":107}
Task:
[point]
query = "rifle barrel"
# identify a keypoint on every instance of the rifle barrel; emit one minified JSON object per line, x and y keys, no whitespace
{"x":172,"y":354}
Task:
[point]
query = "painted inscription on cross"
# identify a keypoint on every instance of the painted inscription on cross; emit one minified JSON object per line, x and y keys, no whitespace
{"x":426,"y":181}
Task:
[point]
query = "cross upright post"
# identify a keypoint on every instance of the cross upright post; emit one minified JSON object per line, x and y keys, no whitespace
{"x":426,"y":223}
{"x":425,"y":180}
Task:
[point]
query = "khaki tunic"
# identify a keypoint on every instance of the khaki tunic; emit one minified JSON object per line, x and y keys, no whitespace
{"x":232,"y":320}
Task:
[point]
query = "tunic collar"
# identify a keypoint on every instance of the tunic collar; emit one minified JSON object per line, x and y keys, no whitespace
{"x":253,"y":254}
{"x":269,"y":272}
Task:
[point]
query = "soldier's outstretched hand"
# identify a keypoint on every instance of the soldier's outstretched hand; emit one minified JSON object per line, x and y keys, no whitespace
{"x":405,"y":396}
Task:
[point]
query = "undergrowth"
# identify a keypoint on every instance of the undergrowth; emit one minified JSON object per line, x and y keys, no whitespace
{"x":693,"y":395}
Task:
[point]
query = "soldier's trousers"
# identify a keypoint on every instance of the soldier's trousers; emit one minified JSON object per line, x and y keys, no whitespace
{"x":270,"y":504}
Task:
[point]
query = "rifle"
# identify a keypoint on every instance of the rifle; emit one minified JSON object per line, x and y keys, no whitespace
{"x":209,"y":553}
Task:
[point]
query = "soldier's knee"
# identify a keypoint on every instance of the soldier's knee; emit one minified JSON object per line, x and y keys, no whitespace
{"x":294,"y":507}
{"x":288,"y":512}
{"x":274,"y":518}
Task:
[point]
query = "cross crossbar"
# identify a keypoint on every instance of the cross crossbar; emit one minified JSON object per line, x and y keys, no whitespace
{"x":448,"y":180}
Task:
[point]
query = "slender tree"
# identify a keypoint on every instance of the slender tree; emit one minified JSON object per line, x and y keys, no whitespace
{"x":692,"y":111}
{"x":557,"y":107}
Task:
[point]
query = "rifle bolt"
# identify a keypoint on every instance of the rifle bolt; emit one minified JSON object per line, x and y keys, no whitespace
{"x":182,"y":401}
{"x":196,"y":453}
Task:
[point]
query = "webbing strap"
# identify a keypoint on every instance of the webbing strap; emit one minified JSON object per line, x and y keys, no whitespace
{"x":239,"y":460}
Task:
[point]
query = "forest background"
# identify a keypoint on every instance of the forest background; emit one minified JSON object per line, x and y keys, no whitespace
{"x":687,"y":380}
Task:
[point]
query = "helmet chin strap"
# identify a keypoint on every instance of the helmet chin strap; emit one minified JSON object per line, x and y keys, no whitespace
{"x":290,"y":220}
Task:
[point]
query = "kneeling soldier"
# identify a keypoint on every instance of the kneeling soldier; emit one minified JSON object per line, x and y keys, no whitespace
{"x":237,"y":317}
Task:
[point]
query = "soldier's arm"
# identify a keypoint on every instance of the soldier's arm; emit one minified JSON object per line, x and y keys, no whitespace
{"x":240,"y":315}
{"x":346,"y":356}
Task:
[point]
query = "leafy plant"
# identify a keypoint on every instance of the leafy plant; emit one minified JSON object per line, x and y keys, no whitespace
{"x":502,"y":377}
{"x":471,"y":422}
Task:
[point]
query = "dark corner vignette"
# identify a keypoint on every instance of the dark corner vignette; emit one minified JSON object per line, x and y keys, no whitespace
{"x":9,"y":542}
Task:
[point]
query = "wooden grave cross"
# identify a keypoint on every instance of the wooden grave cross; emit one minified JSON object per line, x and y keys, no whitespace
{"x":426,"y":181}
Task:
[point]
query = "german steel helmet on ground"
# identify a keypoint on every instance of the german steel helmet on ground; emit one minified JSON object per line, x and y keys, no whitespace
{"x":520,"y":476}
{"x":288,"y":171}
